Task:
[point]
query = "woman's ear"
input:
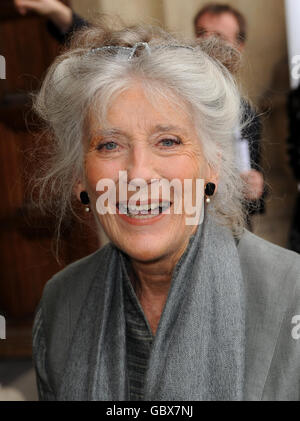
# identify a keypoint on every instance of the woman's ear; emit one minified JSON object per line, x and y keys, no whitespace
{"x":78,"y":188}
{"x":213,"y":177}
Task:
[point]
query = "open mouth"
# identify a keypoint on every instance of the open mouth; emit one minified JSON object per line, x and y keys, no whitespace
{"x":143,"y":211}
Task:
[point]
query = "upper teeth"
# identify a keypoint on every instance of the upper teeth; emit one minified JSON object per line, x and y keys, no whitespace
{"x":143,"y":208}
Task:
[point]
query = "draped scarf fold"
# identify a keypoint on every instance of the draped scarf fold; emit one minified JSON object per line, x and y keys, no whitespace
{"x":198,"y":350}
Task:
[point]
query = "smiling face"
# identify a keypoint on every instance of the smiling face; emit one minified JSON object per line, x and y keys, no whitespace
{"x":151,"y":142}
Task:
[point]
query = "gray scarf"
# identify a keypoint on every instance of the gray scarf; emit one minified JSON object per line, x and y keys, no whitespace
{"x":198,"y":350}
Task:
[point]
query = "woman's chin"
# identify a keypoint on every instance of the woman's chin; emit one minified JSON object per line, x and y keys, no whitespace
{"x":150,"y":242}
{"x":146,"y":250}
{"x":145,"y":254}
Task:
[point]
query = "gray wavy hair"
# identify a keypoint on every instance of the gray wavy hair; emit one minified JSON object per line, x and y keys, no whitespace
{"x":82,"y":80}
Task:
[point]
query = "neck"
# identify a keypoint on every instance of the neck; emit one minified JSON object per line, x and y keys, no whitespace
{"x":152,"y":280}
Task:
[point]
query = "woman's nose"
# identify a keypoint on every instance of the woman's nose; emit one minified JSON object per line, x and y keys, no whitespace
{"x":141,"y":164}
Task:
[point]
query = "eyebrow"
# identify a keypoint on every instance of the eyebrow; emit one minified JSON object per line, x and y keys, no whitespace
{"x":106,"y":132}
{"x":118,"y":132}
{"x":200,"y":29}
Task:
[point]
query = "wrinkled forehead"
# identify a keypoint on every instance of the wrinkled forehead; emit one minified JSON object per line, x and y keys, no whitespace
{"x":139,"y":106}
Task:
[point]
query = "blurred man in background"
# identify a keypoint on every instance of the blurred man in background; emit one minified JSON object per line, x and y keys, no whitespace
{"x":230,"y":25}
{"x":224,"y":21}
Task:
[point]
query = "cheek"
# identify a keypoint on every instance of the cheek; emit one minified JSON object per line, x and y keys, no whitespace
{"x":97,"y":169}
{"x":187,"y":166}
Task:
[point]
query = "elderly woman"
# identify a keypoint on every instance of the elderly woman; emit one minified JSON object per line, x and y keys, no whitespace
{"x":174,"y":307}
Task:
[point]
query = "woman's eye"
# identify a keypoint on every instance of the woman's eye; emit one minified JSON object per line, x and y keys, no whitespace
{"x":108,"y":146}
{"x":170,"y":142}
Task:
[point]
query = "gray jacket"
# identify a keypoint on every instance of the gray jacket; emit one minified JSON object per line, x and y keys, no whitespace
{"x":272,"y":281}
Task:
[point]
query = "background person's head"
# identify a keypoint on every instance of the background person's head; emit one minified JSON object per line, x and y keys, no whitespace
{"x":223,"y":21}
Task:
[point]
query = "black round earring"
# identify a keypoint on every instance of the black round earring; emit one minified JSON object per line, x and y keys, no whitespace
{"x":85,"y":200}
{"x":209,"y":191}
